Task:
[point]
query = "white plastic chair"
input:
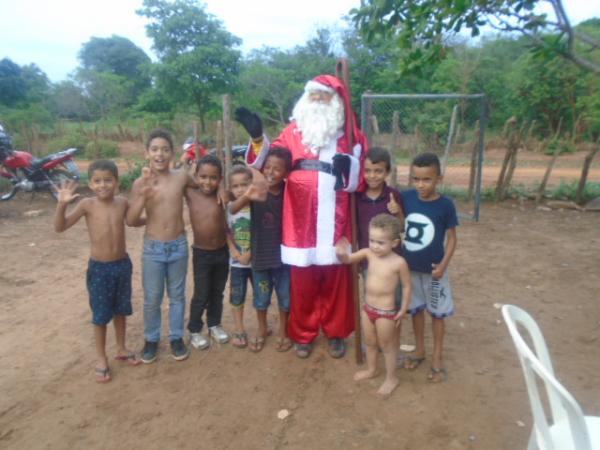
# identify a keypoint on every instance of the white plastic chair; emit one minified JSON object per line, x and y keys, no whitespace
{"x":568,"y":428}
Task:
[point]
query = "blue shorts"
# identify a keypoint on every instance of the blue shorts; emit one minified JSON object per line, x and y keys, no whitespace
{"x":263,"y":282}
{"x":238,"y":285}
{"x":109,"y":287}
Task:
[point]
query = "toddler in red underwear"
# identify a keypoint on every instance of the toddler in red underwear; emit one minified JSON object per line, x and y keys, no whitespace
{"x":380,"y":316}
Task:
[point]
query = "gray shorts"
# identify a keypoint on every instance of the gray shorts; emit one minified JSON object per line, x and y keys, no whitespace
{"x":435,"y":295}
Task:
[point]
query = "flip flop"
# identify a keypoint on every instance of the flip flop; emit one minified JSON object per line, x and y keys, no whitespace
{"x":256,"y":344}
{"x":130,"y":359}
{"x":413,"y":362}
{"x":283,"y":344}
{"x":437,"y":375}
{"x":240,"y":340}
{"x":102,"y":374}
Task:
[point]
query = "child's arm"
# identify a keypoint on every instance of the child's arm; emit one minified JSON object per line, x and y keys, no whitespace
{"x":140,"y":222}
{"x":341,"y":251}
{"x":66,"y":195}
{"x":404,"y":274}
{"x":140,"y":191}
{"x":440,"y":268}
{"x":242,"y":258}
{"x":256,"y":192}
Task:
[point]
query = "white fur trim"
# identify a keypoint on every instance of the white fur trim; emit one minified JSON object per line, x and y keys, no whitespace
{"x":262,"y":156}
{"x":354,"y":172}
{"x":313,"y":256}
{"x":326,"y":196}
{"x":313,"y":86}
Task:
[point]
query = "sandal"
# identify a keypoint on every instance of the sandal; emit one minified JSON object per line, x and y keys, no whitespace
{"x":256,"y":344}
{"x":413,"y":362}
{"x":129,"y":358}
{"x":283,"y":344}
{"x":437,"y":375}
{"x":240,"y":340}
{"x":102,"y":374}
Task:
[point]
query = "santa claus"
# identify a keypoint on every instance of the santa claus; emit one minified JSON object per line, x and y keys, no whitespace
{"x":316,"y":208}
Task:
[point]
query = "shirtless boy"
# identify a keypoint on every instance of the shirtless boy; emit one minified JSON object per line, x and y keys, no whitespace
{"x":109,"y":267}
{"x":210,"y":252}
{"x":379,"y":315}
{"x":159,"y":191}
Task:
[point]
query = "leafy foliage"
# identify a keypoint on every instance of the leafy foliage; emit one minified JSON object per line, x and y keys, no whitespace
{"x":197,"y":54}
{"x":422,"y":26}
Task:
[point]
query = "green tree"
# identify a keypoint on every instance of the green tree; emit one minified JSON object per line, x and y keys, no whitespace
{"x":13,"y":88}
{"x":118,"y":56}
{"x":68,"y":101}
{"x":422,"y":26}
{"x":37,"y":84}
{"x":106,"y":93}
{"x":198,"y":59}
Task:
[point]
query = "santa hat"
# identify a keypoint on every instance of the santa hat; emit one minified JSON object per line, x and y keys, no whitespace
{"x":331,"y":84}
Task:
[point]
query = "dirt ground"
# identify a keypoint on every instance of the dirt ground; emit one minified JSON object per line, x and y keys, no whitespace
{"x":226,"y":398}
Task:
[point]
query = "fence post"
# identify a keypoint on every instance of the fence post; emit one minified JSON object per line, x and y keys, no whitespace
{"x":584,"y":172}
{"x":227,"y":135}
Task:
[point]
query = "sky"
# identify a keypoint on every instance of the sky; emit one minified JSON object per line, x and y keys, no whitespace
{"x":50,"y":34}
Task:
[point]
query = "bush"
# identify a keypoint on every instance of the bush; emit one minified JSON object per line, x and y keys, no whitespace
{"x":73,"y":139}
{"x":563,"y":147}
{"x":101,"y":149}
{"x":134,"y":171}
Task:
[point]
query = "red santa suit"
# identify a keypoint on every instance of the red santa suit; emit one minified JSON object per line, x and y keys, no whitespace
{"x":315,"y":217}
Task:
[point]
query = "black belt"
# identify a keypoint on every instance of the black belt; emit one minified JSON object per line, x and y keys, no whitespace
{"x":313,"y":164}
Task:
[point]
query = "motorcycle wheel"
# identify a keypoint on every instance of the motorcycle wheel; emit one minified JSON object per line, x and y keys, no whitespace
{"x":7,"y":188}
{"x":58,"y":176}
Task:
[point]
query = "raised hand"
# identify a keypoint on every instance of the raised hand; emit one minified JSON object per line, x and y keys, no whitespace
{"x":148,"y":182}
{"x":258,"y":189}
{"x":250,"y":121}
{"x":392,"y":206}
{"x":66,"y":191}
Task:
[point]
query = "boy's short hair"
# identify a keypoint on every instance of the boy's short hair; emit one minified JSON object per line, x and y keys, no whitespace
{"x":239,"y":169}
{"x":282,"y":153}
{"x":380,"y":154}
{"x":388,"y":223}
{"x":159,"y":133}
{"x":210,"y":160}
{"x":103,"y":164}
{"x":427,"y":159}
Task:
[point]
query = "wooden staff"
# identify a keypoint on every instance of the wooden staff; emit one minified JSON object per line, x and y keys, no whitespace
{"x":343,"y":73}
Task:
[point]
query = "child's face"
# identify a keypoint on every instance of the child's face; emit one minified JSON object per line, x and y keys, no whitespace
{"x":239,"y":184}
{"x":274,"y":171}
{"x":103,"y":183}
{"x":375,"y":173}
{"x":381,"y":242}
{"x":208,"y":178}
{"x":159,"y":154}
{"x":425,"y":180}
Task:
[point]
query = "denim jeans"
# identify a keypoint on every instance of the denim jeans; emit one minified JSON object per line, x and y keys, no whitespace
{"x":263,"y":282}
{"x":238,"y":285}
{"x":164,"y":263}
{"x":211,"y":268}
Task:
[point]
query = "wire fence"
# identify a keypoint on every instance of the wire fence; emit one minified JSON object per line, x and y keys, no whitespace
{"x":450,"y":125}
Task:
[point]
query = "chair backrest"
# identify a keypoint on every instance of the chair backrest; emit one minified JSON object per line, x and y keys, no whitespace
{"x":536,"y":362}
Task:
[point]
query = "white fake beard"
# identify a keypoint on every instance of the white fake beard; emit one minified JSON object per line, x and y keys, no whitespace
{"x":318,"y":122}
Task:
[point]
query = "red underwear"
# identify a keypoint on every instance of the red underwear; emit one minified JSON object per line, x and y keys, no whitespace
{"x":375,"y":313}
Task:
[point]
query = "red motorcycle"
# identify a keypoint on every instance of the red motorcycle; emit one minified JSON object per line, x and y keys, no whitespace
{"x":20,"y":170}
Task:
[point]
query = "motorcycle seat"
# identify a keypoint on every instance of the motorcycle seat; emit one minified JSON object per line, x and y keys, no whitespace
{"x":37,"y":163}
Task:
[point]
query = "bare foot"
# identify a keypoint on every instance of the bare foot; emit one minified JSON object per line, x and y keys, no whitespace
{"x":388,"y":387}
{"x":364,"y":375}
